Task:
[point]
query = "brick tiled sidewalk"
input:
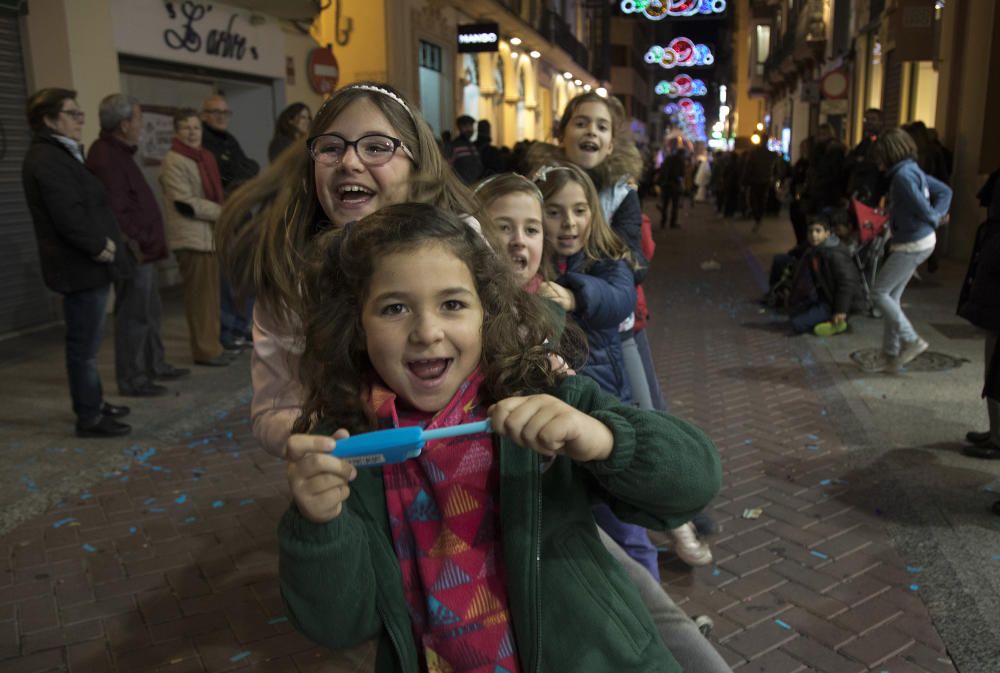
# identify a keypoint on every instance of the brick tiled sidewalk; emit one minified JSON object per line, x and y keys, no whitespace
{"x":170,"y":565}
{"x":812,"y":584}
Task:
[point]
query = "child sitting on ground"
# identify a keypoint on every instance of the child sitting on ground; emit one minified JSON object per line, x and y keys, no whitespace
{"x":825,"y":285}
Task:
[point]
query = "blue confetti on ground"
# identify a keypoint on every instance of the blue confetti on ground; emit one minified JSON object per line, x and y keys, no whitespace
{"x":748,"y":441}
{"x":825,"y":482}
{"x":149,"y":501}
{"x":217,"y":504}
{"x":716,"y":572}
{"x":783,"y":625}
{"x":914,"y":587}
{"x":157,"y":510}
{"x":62,"y":522}
{"x":812,"y":447}
{"x":277,"y":620}
{"x":143,"y":456}
{"x":996,"y":557}
{"x":812,"y":437}
{"x":190,"y":519}
{"x":89,"y":548}
{"x":181,"y":499}
{"x":247,"y":501}
{"x":914,"y":569}
{"x":29,"y":483}
{"x":132,"y":530}
{"x":239,"y":657}
{"x":86,"y":496}
{"x":819,"y":554}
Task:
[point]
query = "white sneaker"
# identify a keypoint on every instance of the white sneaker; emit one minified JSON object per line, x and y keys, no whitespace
{"x":911,"y":351}
{"x":688,"y":547}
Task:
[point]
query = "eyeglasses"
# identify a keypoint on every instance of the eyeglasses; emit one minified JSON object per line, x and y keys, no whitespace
{"x":75,"y":114}
{"x":223,"y":113}
{"x":373,"y":149}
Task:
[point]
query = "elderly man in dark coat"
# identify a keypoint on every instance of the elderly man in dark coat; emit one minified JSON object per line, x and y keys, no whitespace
{"x":139,"y":357}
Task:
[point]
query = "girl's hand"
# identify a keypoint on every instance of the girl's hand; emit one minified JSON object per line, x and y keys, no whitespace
{"x":838,"y":318}
{"x":550,"y":427}
{"x":558,"y":294}
{"x":318,"y":480}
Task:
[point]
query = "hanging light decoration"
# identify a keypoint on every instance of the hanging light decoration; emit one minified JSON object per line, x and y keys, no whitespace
{"x":689,"y":117}
{"x":680,"y":53}
{"x":656,"y":10}
{"x":682,"y":86}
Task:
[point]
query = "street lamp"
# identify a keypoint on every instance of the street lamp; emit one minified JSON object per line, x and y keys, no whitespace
{"x":534,"y":53}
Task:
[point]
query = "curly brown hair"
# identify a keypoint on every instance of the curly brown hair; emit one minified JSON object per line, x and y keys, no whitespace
{"x":519,"y":330}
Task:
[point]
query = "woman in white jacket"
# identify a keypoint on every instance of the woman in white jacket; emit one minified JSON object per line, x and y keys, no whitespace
{"x":192,"y":194}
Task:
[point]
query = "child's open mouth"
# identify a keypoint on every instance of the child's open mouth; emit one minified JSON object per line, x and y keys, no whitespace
{"x":518,"y":262}
{"x":429,"y":371}
{"x":588,"y":146}
{"x":354,"y":194}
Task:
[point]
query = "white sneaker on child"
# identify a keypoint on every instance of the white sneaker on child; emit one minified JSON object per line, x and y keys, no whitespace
{"x":688,"y":547}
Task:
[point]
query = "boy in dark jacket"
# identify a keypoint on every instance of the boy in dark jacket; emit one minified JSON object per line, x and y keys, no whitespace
{"x":826,"y":286}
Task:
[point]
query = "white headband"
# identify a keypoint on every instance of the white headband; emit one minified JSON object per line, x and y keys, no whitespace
{"x":543,"y":171}
{"x":385,"y":92}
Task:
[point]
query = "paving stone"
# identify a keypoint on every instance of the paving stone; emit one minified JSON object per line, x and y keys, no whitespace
{"x":821,"y":630}
{"x":878,"y":645}
{"x":821,"y":658}
{"x":775,"y":661}
{"x":759,"y":640}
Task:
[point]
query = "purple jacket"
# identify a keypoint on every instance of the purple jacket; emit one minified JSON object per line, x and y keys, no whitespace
{"x":132,"y":201}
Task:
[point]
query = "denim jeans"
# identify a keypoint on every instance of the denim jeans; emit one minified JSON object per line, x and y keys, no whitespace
{"x":655,"y":393}
{"x":84,"y":313}
{"x":634,"y":371}
{"x":887,"y":292}
{"x":235,"y":319}
{"x":804,"y":320}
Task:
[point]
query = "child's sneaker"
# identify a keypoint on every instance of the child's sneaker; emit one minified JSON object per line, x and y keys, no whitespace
{"x":688,"y":547}
{"x":705,"y":624}
{"x":911,"y":351}
{"x":828,"y":328}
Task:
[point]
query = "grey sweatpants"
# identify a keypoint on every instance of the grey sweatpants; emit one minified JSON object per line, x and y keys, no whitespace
{"x":692,"y":650}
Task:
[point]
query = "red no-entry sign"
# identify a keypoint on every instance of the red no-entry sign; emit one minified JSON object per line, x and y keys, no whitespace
{"x":322,"y":70}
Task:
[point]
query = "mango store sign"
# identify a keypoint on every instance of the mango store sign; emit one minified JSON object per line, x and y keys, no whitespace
{"x":200,"y":33}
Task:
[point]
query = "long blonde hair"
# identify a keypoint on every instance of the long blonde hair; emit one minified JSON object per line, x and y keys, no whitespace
{"x":603,"y":243}
{"x":267,"y":225}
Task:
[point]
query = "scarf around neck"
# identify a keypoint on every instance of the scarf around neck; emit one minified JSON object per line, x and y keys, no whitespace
{"x":211,"y":181}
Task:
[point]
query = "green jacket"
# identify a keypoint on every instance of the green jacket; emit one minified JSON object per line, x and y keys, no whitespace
{"x":572,"y":606}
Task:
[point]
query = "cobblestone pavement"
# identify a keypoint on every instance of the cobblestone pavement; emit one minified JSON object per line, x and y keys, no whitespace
{"x":169,"y":563}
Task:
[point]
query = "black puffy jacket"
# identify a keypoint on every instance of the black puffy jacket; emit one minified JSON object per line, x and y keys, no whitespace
{"x":72,"y":216}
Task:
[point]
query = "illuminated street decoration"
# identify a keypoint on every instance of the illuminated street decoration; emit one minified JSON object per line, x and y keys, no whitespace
{"x":680,"y":53}
{"x":682,"y":86}
{"x":689,"y":117}
{"x":656,"y":10}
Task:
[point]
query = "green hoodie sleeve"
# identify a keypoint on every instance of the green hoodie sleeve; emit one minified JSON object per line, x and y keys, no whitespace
{"x":662,"y":471}
{"x":327,"y":579}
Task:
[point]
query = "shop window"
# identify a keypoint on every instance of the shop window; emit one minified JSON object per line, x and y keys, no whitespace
{"x":430,"y":56}
{"x":470,"y":82}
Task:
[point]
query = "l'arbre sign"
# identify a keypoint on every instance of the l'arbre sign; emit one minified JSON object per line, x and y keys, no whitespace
{"x":476,"y":37}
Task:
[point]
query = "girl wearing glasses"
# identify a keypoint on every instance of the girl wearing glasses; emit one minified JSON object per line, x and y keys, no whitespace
{"x":368,"y":148}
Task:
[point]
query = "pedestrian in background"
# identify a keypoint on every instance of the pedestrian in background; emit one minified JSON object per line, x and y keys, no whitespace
{"x":292,"y":126}
{"x":757,"y":178}
{"x":192,"y":190}
{"x":234,"y":168}
{"x":139,"y":354}
{"x":919,"y":204}
{"x":79,"y":245}
{"x":979,"y":303}
{"x":462,"y":153}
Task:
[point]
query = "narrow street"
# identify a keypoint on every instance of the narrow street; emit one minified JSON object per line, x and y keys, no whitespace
{"x":874,"y":548}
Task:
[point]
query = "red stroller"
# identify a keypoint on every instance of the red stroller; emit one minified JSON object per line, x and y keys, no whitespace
{"x":873,"y":235}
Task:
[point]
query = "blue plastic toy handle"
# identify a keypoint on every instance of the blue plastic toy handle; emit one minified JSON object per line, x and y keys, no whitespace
{"x":397,"y":444}
{"x":457,"y":430}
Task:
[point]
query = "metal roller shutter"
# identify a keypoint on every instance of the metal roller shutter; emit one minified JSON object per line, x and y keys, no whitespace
{"x":24,"y":300}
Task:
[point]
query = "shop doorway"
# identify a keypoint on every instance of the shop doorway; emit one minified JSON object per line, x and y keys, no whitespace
{"x":431,"y":86}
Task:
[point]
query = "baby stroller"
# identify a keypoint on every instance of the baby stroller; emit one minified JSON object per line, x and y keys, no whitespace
{"x":873,"y":236}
